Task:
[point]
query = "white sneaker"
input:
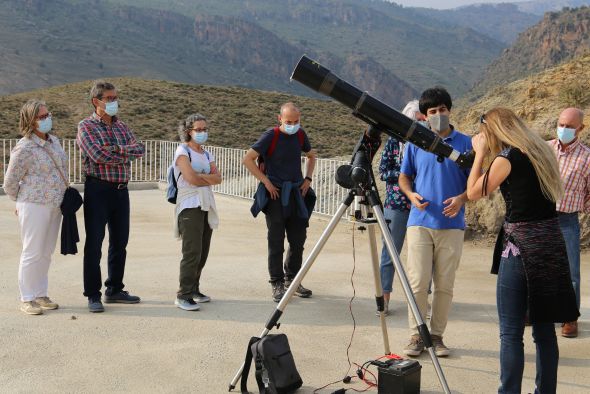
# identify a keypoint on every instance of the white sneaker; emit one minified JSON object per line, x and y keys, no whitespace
{"x":46,"y":303}
{"x":385,"y":310}
{"x":31,"y":308}
{"x":187,"y":305}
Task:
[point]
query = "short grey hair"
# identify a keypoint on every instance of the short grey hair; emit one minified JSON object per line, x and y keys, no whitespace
{"x":99,"y":87}
{"x":186,"y":126}
{"x":411,"y":108}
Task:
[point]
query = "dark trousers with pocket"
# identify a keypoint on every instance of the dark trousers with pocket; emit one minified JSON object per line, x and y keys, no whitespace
{"x":105,"y":206}
{"x":193,"y":226}
{"x":296,"y":230}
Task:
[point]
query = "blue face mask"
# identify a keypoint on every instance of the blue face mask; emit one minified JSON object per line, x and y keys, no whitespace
{"x":200,"y":138}
{"x":44,"y":126}
{"x":111,"y":108}
{"x":566,"y":135}
{"x":291,"y":128}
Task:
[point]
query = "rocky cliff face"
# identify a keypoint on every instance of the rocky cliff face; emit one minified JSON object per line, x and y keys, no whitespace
{"x":247,"y":45}
{"x":69,"y":43}
{"x":559,"y":37}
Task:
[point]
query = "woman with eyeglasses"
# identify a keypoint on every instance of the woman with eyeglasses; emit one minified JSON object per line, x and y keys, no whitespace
{"x":196,"y":213}
{"x":35,"y":180}
{"x":530,"y":256}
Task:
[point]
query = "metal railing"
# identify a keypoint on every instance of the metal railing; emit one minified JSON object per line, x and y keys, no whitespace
{"x":237,"y":181}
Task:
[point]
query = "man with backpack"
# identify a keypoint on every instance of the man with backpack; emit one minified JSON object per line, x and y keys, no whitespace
{"x":291,"y":201}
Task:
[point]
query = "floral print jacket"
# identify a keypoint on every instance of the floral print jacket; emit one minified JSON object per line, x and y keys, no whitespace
{"x":32,"y":176}
{"x":389,"y":169}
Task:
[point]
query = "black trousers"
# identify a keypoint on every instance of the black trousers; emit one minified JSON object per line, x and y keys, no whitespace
{"x":296,"y":230}
{"x":105,"y":206}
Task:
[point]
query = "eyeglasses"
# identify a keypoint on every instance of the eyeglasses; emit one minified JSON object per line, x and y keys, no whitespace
{"x":200,"y":130}
{"x":43,"y":117}
{"x":109,"y":99}
{"x":482,"y":119}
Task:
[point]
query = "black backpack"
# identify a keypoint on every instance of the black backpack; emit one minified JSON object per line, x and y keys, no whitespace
{"x":275,"y":368}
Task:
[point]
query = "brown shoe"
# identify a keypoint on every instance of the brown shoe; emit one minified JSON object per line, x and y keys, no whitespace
{"x":569,"y":329}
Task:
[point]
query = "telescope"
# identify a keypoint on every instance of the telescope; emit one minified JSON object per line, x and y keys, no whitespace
{"x":376,"y":113}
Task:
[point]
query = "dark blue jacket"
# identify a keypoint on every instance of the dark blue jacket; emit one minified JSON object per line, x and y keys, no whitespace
{"x":304,"y":205}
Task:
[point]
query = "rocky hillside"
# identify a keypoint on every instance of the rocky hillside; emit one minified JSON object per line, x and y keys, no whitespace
{"x":538,"y":99}
{"x":559,"y":37}
{"x":503,"y":21}
{"x":253,"y":43}
{"x":154,"y":108}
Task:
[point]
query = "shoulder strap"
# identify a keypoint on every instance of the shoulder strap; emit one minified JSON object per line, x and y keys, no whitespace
{"x":300,"y":137}
{"x":63,"y":178}
{"x":273,"y":143}
{"x":275,"y":138}
{"x":247,"y":363}
{"x":188,"y":152}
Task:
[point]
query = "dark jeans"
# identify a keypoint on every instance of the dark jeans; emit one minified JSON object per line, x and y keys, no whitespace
{"x":105,"y":205}
{"x":296,"y":230}
{"x":570,"y":228}
{"x":512,"y":305}
{"x":196,"y":239}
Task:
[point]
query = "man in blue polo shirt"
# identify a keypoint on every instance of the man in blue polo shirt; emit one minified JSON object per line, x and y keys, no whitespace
{"x":437,"y":220}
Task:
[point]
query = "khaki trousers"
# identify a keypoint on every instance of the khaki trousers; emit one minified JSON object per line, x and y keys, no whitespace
{"x":433,"y":254}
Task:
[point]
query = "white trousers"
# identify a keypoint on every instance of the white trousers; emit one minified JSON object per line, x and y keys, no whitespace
{"x":39,"y":226}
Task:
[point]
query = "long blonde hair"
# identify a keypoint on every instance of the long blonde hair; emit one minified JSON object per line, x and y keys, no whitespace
{"x":503,"y":129}
{"x":28,"y":116}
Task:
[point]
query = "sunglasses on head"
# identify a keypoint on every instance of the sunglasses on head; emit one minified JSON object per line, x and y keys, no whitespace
{"x":482,"y":119}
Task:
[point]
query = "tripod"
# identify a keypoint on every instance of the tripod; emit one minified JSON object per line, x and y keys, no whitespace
{"x":361,"y":183}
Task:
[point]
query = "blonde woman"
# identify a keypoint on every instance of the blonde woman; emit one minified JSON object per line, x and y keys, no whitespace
{"x":530,"y":256}
{"x":34,"y":181}
{"x":196,"y":214}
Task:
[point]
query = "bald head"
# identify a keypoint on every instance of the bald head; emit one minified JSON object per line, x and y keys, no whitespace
{"x":289,"y":115}
{"x":571,"y":117}
{"x":288,"y":108}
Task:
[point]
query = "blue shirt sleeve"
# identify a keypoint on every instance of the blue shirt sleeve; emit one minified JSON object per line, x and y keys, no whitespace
{"x":408,"y":163}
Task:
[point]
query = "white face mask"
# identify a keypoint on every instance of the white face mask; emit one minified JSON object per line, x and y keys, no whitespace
{"x":111,"y":108}
{"x":44,"y":126}
{"x":566,"y":135}
{"x":291,"y":128}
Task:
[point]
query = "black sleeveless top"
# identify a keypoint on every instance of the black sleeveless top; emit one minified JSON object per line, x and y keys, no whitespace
{"x":521,"y":190}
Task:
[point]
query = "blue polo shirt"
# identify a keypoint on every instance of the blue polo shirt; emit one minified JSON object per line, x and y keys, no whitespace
{"x":436,"y":182}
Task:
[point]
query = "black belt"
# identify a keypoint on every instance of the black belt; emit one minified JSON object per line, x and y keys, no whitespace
{"x":114,"y":185}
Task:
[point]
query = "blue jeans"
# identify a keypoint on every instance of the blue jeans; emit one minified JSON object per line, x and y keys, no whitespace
{"x":570,"y":228}
{"x":397,"y":228}
{"x":511,"y":295}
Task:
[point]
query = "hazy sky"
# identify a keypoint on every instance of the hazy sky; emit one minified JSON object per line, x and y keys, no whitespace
{"x":445,"y":3}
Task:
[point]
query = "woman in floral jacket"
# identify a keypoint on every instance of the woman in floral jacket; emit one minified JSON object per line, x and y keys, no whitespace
{"x":34,"y":181}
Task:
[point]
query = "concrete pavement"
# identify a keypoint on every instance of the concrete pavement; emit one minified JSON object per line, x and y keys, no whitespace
{"x":156,"y":347}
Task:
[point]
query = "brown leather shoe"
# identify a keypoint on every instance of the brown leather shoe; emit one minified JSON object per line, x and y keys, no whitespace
{"x":569,"y":329}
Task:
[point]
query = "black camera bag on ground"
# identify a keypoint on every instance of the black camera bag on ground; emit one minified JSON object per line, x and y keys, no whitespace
{"x":275,"y":368}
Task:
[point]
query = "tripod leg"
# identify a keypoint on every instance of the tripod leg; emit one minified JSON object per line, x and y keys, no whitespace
{"x":378,"y":288}
{"x":401,"y":274}
{"x":276,"y":315}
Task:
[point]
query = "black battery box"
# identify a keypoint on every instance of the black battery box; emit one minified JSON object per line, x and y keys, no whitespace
{"x":399,"y":377}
